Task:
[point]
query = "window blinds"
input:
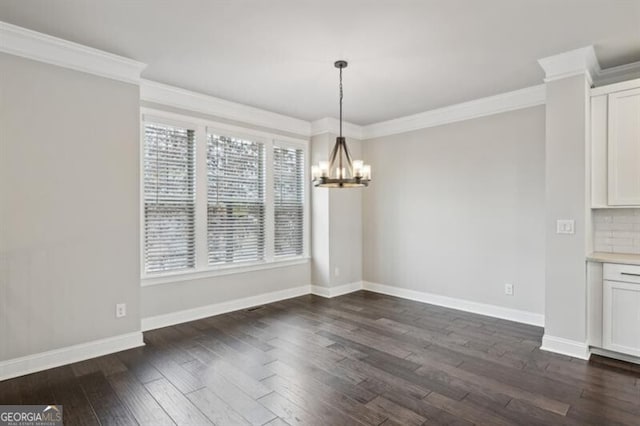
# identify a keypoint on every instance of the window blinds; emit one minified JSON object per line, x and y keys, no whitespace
{"x":236,"y":200}
{"x":288,"y":201}
{"x":169,"y":198}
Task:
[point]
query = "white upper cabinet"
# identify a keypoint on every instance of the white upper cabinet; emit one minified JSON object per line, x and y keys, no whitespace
{"x":615,"y":145}
{"x":624,"y":148}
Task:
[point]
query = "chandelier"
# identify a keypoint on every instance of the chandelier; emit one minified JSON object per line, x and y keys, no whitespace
{"x":341,"y":171}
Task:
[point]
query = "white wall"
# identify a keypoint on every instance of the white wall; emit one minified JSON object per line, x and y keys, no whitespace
{"x":69,"y":221}
{"x":458,"y":210}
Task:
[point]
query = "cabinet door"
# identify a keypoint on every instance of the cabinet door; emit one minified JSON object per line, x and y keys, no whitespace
{"x":621,"y":319}
{"x":624,"y":148}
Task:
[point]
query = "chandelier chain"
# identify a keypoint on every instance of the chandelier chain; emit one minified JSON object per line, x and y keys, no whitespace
{"x":341,"y":94}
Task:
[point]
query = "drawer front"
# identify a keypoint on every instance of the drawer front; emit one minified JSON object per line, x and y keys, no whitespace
{"x":623,"y":273}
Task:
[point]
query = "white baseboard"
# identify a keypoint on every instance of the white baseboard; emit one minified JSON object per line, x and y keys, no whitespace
{"x":460,"y":304}
{"x":55,"y":358}
{"x":564,"y":346}
{"x":615,"y":355}
{"x":329,"y":292}
{"x":178,"y":317}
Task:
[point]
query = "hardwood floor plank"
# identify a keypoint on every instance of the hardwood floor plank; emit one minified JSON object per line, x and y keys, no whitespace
{"x":290,"y":412}
{"x":487,"y":381}
{"x":179,"y":408}
{"x":311,"y":403}
{"x":138,"y":400}
{"x":138,"y":364}
{"x":218,"y":411}
{"x":230,"y":393}
{"x":68,"y":392}
{"x":470,"y":412}
{"x":395,"y":411}
{"x":312,"y":390}
{"x":106,"y":404}
{"x":434,"y":415}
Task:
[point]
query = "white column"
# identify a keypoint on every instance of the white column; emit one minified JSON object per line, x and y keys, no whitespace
{"x":568,"y":80}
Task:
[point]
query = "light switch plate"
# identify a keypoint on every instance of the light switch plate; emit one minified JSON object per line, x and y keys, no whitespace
{"x":565,"y":226}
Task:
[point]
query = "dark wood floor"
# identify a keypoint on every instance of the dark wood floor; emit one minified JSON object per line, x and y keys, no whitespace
{"x":362,"y":358}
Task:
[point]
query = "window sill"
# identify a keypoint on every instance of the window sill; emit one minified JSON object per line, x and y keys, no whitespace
{"x":173,"y":277}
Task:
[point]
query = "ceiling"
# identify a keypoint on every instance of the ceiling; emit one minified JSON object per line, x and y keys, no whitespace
{"x":404,"y":56}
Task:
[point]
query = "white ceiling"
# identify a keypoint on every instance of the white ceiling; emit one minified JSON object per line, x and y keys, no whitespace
{"x":404,"y":56}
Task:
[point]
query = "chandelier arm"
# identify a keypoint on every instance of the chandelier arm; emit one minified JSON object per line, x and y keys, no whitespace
{"x":332,"y":157}
{"x":347,"y":155}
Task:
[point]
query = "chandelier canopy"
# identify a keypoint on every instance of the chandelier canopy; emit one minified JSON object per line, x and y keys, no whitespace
{"x":341,"y":171}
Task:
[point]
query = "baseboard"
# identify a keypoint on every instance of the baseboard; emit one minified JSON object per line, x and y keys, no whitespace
{"x":329,"y":292}
{"x":615,"y":355}
{"x":564,"y":346}
{"x":178,"y":317}
{"x":55,"y":358}
{"x":516,"y":315}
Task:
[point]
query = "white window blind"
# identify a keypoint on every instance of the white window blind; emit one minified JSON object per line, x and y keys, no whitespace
{"x":288,"y":180}
{"x":236,"y":200}
{"x":169,"y":198}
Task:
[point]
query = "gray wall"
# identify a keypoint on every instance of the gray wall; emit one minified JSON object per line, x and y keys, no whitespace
{"x":458,"y":210}
{"x":320,"y":215}
{"x":566,"y":198}
{"x":167,"y":298}
{"x":345,"y":233}
{"x":181,"y":295}
{"x":69,"y":221}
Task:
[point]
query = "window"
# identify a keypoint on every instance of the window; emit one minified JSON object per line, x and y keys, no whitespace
{"x":288,"y":181}
{"x":236,"y":200}
{"x":219,"y":199}
{"x":169,"y":199}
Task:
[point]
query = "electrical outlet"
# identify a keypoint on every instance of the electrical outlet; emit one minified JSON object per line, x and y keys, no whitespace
{"x":121,"y":310}
{"x":508,"y":289}
{"x":336,"y":272}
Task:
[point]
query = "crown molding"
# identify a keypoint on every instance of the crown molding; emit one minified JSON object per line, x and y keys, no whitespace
{"x":573,"y":62}
{"x":152,"y":91}
{"x":332,"y":125}
{"x":504,"y":102}
{"x":52,"y":50}
{"x":617,"y":74}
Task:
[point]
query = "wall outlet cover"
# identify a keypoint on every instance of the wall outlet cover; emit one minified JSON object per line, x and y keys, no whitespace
{"x":508,"y":289}
{"x":121,"y":310}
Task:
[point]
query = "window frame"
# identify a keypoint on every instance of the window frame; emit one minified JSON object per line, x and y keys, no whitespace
{"x":202,"y":127}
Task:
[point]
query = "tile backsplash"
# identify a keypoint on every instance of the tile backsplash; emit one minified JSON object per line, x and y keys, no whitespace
{"x":616,"y":230}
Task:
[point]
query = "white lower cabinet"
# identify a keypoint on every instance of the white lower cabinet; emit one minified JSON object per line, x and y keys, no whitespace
{"x":621,"y":309}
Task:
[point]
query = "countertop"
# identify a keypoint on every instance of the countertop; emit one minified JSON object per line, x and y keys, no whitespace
{"x":627,"y":259}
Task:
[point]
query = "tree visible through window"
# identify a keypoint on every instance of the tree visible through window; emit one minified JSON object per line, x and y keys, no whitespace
{"x":288,"y":194}
{"x":169,"y":198}
{"x":236,"y":200}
